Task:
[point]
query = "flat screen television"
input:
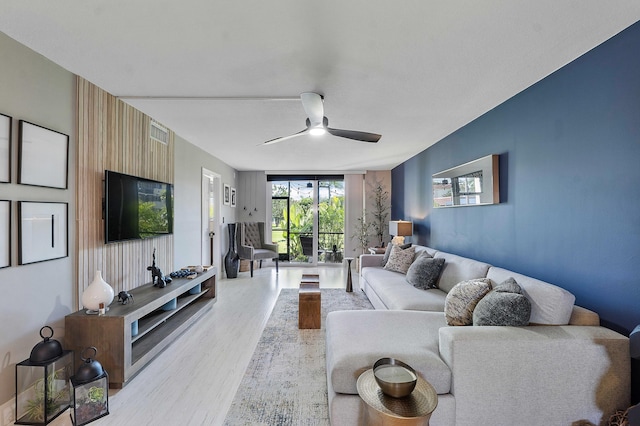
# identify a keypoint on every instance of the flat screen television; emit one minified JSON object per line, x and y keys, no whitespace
{"x":136,"y":208}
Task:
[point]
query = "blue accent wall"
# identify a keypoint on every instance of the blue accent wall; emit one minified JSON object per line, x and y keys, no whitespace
{"x":570,"y":183}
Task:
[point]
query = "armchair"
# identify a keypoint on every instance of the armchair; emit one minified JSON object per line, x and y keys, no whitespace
{"x":252,"y":246}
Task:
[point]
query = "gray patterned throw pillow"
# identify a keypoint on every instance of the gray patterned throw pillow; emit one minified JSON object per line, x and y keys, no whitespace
{"x":387,"y":252}
{"x":400,"y":260}
{"x":505,"y":305}
{"x":462,"y":299}
{"x":424,"y":272}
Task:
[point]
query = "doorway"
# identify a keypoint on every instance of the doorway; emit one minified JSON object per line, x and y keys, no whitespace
{"x":308,"y":219}
{"x":210,"y":222}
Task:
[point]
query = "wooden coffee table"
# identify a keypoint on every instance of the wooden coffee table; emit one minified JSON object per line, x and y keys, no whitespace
{"x":381,"y":409}
{"x":309,"y":302}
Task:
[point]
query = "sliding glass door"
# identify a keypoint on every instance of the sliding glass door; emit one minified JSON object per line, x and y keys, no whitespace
{"x":308,"y":219}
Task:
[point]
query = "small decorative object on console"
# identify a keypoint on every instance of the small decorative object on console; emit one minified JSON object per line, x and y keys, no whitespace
{"x":124,"y":297}
{"x":183,"y":273}
{"x":90,"y":388}
{"x":42,"y":382}
{"x":157,"y":277}
{"x":99,"y":291}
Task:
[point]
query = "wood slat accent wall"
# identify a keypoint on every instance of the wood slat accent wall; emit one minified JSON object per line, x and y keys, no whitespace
{"x":115,"y":136}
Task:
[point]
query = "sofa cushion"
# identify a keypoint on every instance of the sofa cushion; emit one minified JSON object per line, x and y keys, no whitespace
{"x":355,"y":340}
{"x":457,"y":268}
{"x":504,"y":306}
{"x":424,"y":272}
{"x":387,"y":251}
{"x":462,"y":299}
{"x":400,"y":260}
{"x":392,"y":289}
{"x":550,"y":304}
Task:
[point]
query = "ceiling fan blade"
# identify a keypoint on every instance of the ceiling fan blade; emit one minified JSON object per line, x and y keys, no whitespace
{"x":284,"y":138}
{"x":355,"y":135}
{"x":312,"y":104}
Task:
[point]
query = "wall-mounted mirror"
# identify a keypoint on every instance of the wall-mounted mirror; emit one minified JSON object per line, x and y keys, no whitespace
{"x":472,"y":184}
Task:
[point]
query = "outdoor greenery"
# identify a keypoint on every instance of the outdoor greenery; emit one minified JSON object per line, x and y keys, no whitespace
{"x":299,"y":217}
{"x":153,"y":216}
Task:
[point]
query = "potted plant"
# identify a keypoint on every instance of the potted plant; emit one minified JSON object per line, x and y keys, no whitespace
{"x":361,"y":233}
{"x":50,"y":396}
{"x":380,"y":212}
{"x":92,"y":406}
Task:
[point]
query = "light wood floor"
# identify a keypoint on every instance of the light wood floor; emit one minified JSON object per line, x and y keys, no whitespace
{"x":194,"y":380}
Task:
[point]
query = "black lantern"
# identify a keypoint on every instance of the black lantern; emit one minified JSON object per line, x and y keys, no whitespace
{"x":90,"y":386}
{"x":42,"y":382}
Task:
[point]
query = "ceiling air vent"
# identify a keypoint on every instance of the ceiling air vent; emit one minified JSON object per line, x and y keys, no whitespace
{"x":159,"y":133}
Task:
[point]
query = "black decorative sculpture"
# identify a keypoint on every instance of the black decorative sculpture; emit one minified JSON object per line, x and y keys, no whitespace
{"x":124,"y":297}
{"x":157,"y":277}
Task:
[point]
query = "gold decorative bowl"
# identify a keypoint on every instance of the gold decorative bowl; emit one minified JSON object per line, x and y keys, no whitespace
{"x":394,"y":377}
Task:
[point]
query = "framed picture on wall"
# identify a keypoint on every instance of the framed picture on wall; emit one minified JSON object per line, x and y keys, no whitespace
{"x":43,"y":156}
{"x":5,"y":233}
{"x":42,"y":231}
{"x":227,"y":195}
{"x":5,"y":148}
{"x":233,"y":197}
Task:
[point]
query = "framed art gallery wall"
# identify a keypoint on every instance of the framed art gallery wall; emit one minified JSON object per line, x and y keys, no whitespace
{"x":42,"y":231}
{"x":35,"y":90}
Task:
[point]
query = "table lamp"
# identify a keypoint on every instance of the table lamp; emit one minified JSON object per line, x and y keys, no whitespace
{"x":399,"y":229}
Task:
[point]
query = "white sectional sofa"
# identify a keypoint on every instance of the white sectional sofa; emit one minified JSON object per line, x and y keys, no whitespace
{"x":564,"y":369}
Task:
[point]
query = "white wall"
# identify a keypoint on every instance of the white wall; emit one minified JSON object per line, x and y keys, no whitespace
{"x":354,"y":190}
{"x":34,"y":89}
{"x":189,"y":161}
{"x":254,"y":200}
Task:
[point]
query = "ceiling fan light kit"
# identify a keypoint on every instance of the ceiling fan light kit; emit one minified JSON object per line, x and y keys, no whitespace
{"x":318,"y":124}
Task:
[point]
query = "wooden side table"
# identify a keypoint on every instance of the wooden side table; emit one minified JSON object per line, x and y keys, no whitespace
{"x":383,"y":410}
{"x":309,"y":302}
{"x":309,"y":308}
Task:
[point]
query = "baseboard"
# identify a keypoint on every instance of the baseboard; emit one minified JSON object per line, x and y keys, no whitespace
{"x":7,"y":414}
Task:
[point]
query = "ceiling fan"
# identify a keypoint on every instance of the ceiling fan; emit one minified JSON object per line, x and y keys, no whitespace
{"x":317,"y":123}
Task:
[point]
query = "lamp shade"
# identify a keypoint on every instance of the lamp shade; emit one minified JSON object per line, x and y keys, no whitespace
{"x":400,"y":228}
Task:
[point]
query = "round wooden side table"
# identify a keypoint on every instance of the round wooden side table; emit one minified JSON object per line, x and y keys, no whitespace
{"x":384,"y":410}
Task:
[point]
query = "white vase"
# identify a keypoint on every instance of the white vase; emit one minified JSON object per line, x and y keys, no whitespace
{"x":98,"y":292}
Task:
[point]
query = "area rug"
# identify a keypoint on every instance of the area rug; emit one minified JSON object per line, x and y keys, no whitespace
{"x":285,"y":382}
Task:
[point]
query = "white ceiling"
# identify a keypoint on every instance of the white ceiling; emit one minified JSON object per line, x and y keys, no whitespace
{"x":413,"y":71}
